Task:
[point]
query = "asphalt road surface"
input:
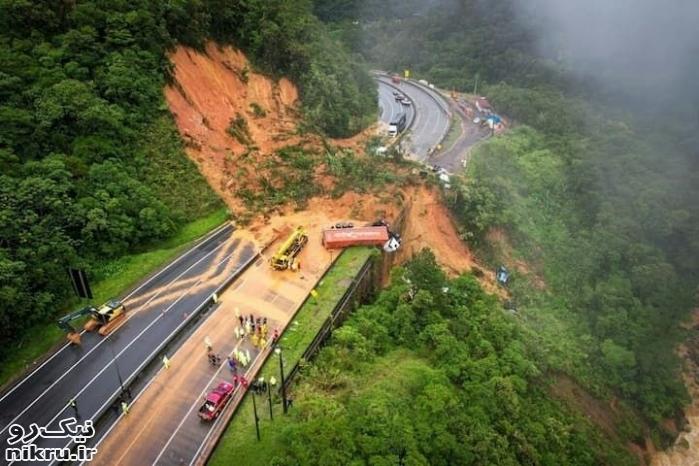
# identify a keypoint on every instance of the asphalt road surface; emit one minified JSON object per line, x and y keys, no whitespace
{"x":91,"y":373}
{"x":431,"y":121}
{"x":389,"y":108}
{"x":163,"y":427}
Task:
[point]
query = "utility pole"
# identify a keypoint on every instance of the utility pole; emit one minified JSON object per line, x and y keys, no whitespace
{"x":272,"y":382}
{"x":116,"y":366}
{"x":254,"y":411}
{"x":278,"y":350}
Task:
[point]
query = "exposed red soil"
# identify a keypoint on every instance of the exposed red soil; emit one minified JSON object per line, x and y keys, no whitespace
{"x":685,"y":451}
{"x":429,"y":224}
{"x":211,"y":88}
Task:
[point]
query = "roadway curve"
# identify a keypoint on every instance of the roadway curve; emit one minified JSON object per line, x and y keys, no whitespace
{"x":156,"y":310}
{"x":431,"y":116}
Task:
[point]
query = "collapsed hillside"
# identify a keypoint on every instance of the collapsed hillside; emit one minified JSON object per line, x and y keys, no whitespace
{"x":265,"y":166}
{"x":210,"y":91}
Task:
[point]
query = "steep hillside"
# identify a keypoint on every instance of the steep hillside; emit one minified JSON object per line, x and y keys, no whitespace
{"x":264,"y":167}
{"x":92,"y":167}
{"x":209,"y":92}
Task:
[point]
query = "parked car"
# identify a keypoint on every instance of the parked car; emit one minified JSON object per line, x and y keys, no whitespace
{"x":216,"y":401}
{"x":407,"y":102}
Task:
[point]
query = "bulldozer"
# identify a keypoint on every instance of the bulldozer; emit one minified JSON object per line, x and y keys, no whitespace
{"x":105,"y":318}
{"x":285,"y":257}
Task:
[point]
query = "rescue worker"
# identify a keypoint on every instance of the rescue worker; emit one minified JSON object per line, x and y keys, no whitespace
{"x":74,"y":405}
{"x":232,"y":365}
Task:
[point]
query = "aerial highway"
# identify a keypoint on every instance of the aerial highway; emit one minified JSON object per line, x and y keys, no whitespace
{"x":99,"y":370}
{"x":163,"y":426}
{"x":93,"y":373}
{"x":429,"y":114}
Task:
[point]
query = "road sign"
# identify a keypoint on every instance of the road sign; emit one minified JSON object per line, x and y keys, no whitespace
{"x":406,"y":73}
{"x":80,"y":284}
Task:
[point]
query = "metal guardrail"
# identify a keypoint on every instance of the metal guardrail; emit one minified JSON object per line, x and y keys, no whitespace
{"x":226,"y":416}
{"x":431,"y":93}
{"x":337,"y":316}
{"x":343,"y":306}
{"x":412,"y":118}
{"x":205,"y":305}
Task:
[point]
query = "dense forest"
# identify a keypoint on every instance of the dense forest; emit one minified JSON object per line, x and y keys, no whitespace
{"x":432,"y":372}
{"x":597,"y":196}
{"x":92,"y":167}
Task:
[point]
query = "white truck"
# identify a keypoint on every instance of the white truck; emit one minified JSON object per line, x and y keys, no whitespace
{"x":397,"y":126}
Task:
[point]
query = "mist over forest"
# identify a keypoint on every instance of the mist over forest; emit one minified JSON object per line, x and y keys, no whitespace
{"x":596,"y":186}
{"x":589,"y":196}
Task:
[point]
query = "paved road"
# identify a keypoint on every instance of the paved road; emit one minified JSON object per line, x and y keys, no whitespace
{"x":431,"y":119}
{"x":163,"y":427}
{"x":389,"y":108}
{"x":455,"y":158}
{"x":91,"y":373}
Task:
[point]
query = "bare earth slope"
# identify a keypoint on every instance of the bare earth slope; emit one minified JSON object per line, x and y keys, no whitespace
{"x":209,"y":91}
{"x":212,"y":88}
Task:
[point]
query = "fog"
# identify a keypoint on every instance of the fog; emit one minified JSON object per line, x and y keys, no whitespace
{"x":639,"y":49}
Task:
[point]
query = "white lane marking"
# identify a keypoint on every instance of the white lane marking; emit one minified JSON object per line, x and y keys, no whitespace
{"x":105,"y":339}
{"x":421,"y":125}
{"x":197,"y":401}
{"x":179,"y":258}
{"x":121,"y":414}
{"x":218,"y":419}
{"x":212,"y":234}
{"x":159,"y":348}
{"x":389,"y":106}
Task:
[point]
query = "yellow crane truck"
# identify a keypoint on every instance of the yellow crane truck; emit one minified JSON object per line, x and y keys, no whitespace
{"x":285,"y":257}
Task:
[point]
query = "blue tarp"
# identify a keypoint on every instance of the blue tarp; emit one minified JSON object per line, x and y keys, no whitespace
{"x":495,"y":119}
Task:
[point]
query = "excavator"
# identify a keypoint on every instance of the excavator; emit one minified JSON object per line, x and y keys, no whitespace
{"x":105,"y":318}
{"x":285,"y":257}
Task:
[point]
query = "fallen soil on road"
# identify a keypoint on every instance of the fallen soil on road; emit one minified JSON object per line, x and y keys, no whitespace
{"x":213,"y":88}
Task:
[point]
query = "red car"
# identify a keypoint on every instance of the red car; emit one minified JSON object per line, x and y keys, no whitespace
{"x":216,"y":401}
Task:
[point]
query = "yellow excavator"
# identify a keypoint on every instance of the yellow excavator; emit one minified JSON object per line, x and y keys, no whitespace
{"x":105,"y":318}
{"x":285,"y":257}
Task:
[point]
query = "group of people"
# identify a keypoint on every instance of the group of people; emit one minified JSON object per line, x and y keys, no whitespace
{"x":250,"y":326}
{"x":238,"y":357}
{"x":256,"y":328}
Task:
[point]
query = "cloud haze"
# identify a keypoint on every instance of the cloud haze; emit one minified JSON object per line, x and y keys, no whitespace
{"x":647,"y":46}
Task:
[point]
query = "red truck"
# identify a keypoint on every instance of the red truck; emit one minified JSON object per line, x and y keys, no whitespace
{"x":216,"y":401}
{"x":360,"y":236}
